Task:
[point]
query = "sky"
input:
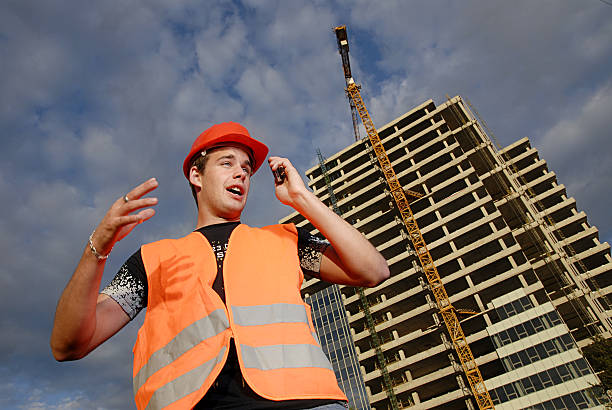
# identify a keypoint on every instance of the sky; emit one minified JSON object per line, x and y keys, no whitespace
{"x":97,"y":97}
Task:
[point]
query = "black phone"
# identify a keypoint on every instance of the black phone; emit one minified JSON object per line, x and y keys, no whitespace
{"x":279,"y":175}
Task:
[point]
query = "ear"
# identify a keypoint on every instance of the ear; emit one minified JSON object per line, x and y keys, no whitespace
{"x":195,"y":178}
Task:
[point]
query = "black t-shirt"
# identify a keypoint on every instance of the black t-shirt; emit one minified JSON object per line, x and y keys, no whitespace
{"x":229,"y":391}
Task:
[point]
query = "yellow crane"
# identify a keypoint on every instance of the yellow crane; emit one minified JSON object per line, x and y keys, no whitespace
{"x":447,"y":311}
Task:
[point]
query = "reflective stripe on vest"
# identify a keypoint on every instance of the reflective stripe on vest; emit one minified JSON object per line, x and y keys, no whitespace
{"x":183,"y":385}
{"x":283,"y":356}
{"x":207,"y":327}
{"x":267,"y":314}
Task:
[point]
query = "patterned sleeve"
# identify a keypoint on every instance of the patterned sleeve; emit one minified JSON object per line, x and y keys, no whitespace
{"x":310,"y":251}
{"x":129,"y":286}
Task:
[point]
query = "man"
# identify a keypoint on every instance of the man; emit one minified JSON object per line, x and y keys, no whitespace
{"x":225,"y":325}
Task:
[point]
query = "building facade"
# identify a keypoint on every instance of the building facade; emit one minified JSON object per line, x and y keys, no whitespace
{"x":497,"y":223}
{"x":332,"y":326}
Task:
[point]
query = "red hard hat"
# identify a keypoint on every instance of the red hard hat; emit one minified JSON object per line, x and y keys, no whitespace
{"x":226,"y":132}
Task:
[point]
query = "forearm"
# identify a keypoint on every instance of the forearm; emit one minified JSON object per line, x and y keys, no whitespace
{"x":75,"y":315}
{"x":359,"y":259}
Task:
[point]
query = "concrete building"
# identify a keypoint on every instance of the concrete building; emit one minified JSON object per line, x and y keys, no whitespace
{"x":501,"y":230}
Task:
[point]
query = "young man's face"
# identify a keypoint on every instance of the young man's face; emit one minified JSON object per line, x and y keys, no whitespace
{"x":225,"y":183}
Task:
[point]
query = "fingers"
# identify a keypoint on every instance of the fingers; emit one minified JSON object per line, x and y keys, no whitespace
{"x":142,"y":189}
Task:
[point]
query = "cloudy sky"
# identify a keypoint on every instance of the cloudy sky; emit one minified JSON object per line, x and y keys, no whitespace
{"x":98,"y":97}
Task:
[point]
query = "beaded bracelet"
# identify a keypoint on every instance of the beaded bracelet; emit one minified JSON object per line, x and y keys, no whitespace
{"x":93,"y":248}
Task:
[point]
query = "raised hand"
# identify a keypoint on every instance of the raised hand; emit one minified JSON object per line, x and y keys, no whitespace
{"x":121,"y":219}
{"x":292,"y":187}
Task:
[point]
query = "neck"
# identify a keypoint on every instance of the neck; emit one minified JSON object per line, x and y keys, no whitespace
{"x":205,"y":219}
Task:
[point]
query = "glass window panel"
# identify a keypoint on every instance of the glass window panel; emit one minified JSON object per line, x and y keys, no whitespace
{"x":583,"y":366}
{"x":510,"y":391}
{"x":580,"y":400}
{"x":529,"y":327}
{"x":535,"y":380}
{"x":496,"y":341}
{"x":567,"y":340}
{"x":554,"y":374}
{"x":541,"y":351}
{"x":504,"y":337}
{"x":516,"y":360}
{"x":554,"y":318}
{"x":521,"y":331}
{"x":558,"y":403}
{"x":533,"y":354}
{"x":550,"y":348}
{"x":501,"y":393}
{"x":518,"y":386}
{"x":501,"y":312}
{"x":510,"y":309}
{"x":538,"y":325}
{"x":546,"y":380}
{"x":518,"y":307}
{"x":526,"y":303}
{"x":494,"y":398}
{"x":564,"y":372}
{"x":574,"y":370}
{"x":569,"y":403}
{"x":524,"y":358}
{"x":528,"y":386}
{"x":507,"y":364}
{"x":513,"y":335}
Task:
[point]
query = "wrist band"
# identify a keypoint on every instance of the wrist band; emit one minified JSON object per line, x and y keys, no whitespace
{"x":93,"y":248}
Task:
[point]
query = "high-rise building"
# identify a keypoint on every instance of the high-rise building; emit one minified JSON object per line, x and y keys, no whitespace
{"x":331,"y":323}
{"x":520,"y":263}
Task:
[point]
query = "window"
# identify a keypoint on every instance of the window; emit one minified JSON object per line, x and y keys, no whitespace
{"x":524,"y":359}
{"x":533,"y":354}
{"x":583,"y":366}
{"x":558,"y":403}
{"x":517,"y":306}
{"x":528,"y":386}
{"x":554,"y":375}
{"x":546,"y":380}
{"x":537,"y":324}
{"x":510,"y":391}
{"x":529,"y":328}
{"x":564,"y":373}
{"x":521,"y":331}
{"x":513,"y":335}
{"x":550,"y":347}
{"x":505,"y":337}
{"x":516,"y":361}
{"x":535,"y":380}
{"x":526,"y":303}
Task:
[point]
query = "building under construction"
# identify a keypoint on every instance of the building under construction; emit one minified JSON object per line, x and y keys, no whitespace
{"x":526,"y":275}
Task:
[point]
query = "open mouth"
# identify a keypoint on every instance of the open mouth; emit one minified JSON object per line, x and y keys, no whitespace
{"x":235,"y":190}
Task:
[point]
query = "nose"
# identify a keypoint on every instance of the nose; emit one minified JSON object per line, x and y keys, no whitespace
{"x":240,"y":173}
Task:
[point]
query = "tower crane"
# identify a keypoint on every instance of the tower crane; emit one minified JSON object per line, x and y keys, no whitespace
{"x":447,"y":311}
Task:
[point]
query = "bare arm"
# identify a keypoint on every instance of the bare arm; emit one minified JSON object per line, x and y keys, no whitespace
{"x":351,"y":259}
{"x":83,"y":317}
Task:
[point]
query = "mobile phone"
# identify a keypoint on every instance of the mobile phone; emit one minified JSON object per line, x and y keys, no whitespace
{"x":279,"y":175}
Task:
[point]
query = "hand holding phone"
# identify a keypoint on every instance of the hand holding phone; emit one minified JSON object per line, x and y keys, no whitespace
{"x":279,"y":175}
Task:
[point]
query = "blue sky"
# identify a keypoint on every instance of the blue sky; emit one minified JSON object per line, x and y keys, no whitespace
{"x":98,"y":97}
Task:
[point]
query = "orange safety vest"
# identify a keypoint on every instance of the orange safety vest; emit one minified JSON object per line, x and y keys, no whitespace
{"x":184,"y":341}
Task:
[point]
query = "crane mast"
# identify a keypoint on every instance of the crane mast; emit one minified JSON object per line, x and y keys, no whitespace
{"x":447,"y":311}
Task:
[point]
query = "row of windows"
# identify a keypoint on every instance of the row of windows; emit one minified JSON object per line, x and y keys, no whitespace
{"x":538,"y":352}
{"x":514,"y":308}
{"x":540,"y":381}
{"x":528,"y":328}
{"x":579,"y":400}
